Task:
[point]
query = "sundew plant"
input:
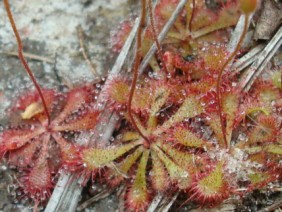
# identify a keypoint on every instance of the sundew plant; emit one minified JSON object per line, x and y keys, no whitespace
{"x":186,"y":124}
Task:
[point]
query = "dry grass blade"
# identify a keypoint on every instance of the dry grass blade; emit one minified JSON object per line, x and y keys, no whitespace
{"x":58,"y":192}
{"x":260,"y":63}
{"x":155,"y":203}
{"x":125,"y":50}
{"x":30,"y":56}
{"x":237,"y":33}
{"x":166,"y":203}
{"x":66,"y":194}
{"x":247,"y":59}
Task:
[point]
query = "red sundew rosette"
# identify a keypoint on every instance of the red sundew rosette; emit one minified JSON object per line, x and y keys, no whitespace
{"x":24,"y":145}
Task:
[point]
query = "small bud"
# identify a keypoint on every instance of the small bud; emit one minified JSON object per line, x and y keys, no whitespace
{"x":248,"y":6}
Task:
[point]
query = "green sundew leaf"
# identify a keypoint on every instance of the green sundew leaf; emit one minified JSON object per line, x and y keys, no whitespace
{"x":154,"y":64}
{"x":152,"y":124}
{"x":228,"y":16}
{"x":258,"y":158}
{"x":173,"y":37}
{"x":214,"y":183}
{"x":203,"y":18}
{"x":259,"y":178}
{"x":230,"y":106}
{"x":184,"y":159}
{"x":176,"y":173}
{"x":137,"y":197}
{"x":189,"y":139}
{"x":276,"y":79}
{"x":138,"y":123}
{"x":127,"y":163}
{"x":189,"y":13}
{"x":214,"y":123}
{"x":253,"y":150}
{"x":266,"y":109}
{"x":267,"y":95}
{"x":119,"y":91}
{"x":130,"y":136}
{"x":213,"y":57}
{"x":95,"y":158}
{"x":159,"y":175}
{"x":142,"y":99}
{"x":264,"y":131}
{"x":159,"y":99}
{"x":206,"y":24}
{"x":274,"y":149}
{"x":254,"y":110}
{"x":191,"y":107}
{"x":116,"y":175}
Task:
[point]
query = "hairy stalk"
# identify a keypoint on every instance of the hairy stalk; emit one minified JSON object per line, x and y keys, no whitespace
{"x":192,"y":16}
{"x":23,"y":60}
{"x":218,"y":92}
{"x":136,"y":67}
{"x":153,"y":27}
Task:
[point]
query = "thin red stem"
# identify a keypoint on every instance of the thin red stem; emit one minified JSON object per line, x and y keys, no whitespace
{"x":192,"y":16}
{"x":153,"y":27}
{"x":23,"y":60}
{"x":136,"y":67}
{"x":281,"y":84}
{"x":218,"y":91}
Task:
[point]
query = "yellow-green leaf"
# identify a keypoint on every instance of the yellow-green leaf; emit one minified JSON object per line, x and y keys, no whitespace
{"x":189,"y":139}
{"x":191,"y":107}
{"x":177,"y":174}
{"x":274,"y":149}
{"x":130,"y":136}
{"x":137,"y":196}
{"x":181,"y":158}
{"x":159,"y":175}
{"x":230,"y":104}
{"x":95,"y":157}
